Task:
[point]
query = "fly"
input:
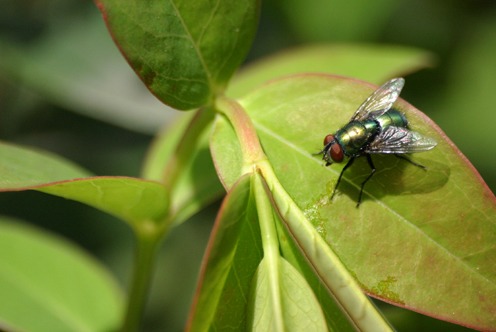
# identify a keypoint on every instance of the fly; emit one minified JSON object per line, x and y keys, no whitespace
{"x":375,"y":127}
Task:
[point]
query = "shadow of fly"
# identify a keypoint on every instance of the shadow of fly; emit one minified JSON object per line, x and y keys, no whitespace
{"x":375,"y":127}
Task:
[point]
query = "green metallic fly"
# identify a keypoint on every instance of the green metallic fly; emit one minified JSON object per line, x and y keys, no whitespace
{"x":375,"y":128}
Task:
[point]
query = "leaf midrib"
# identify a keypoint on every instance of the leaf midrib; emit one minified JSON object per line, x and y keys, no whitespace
{"x":195,"y":46}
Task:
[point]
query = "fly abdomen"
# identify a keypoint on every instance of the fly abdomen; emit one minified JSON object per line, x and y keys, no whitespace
{"x":392,"y":118}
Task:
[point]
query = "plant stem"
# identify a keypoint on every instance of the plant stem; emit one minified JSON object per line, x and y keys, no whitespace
{"x":148,"y":238}
{"x":187,"y":143}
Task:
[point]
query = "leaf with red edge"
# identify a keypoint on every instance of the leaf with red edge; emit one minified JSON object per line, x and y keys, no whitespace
{"x":131,"y":199}
{"x":422,"y":239}
{"x":184,"y":51}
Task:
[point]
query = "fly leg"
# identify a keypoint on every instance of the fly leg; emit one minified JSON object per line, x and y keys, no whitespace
{"x":372,"y":167}
{"x":410,"y":161}
{"x":348,"y":164}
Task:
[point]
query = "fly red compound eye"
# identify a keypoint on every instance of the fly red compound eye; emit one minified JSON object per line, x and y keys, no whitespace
{"x":328,"y":139}
{"x":337,"y":153}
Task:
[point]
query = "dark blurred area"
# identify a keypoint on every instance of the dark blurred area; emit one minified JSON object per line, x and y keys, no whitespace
{"x":65,"y":88}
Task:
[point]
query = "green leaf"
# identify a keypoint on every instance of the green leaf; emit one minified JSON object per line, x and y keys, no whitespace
{"x":47,"y":284}
{"x":184,"y":51}
{"x":373,"y":63}
{"x":233,"y":254}
{"x":24,"y":168}
{"x":281,"y":299}
{"x":131,"y":199}
{"x":233,"y":292}
{"x":417,"y":235}
{"x":332,"y":309}
{"x":128,"y":198}
{"x":300,"y":308}
{"x":181,"y":159}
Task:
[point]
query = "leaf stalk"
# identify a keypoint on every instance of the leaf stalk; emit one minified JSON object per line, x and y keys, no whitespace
{"x":148,"y":239}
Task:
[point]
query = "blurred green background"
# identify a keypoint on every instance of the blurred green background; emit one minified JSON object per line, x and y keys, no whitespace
{"x":64,"y":87}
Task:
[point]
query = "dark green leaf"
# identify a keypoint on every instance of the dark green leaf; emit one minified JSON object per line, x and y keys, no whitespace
{"x":47,"y":284}
{"x":184,"y":51}
{"x":418,"y":234}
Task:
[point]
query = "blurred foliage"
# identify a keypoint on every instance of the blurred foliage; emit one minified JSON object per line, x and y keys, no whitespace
{"x":56,"y":56}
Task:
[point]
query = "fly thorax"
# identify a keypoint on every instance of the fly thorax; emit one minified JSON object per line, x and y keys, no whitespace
{"x":355,"y":135}
{"x":392,"y":118}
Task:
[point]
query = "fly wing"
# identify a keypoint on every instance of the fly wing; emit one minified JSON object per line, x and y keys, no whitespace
{"x":400,"y":140}
{"x":380,"y":101}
